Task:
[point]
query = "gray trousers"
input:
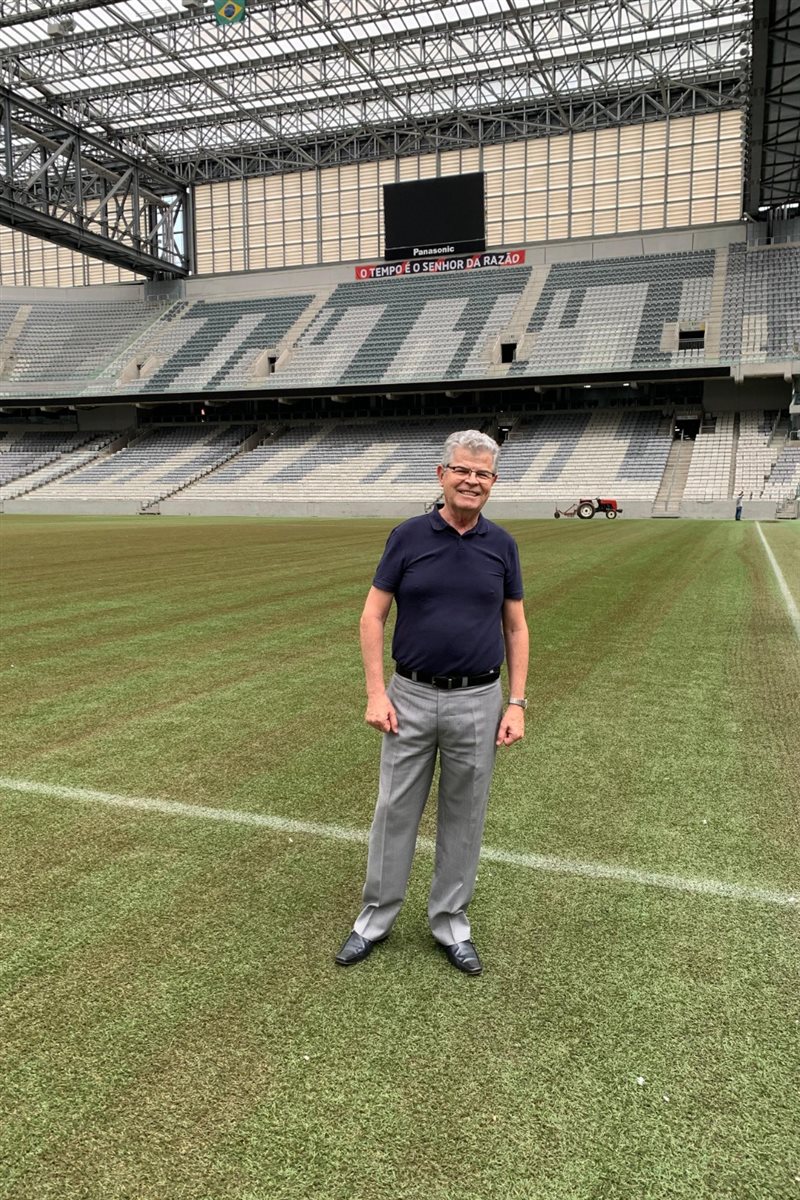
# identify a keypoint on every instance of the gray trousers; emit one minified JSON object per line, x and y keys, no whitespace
{"x":461,"y":725}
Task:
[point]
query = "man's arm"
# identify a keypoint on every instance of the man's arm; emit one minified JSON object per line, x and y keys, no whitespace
{"x":380,"y":712}
{"x":515,"y":634}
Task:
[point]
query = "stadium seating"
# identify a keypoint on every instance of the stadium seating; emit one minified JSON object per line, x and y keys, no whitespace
{"x":334,"y":461}
{"x":547,"y":458}
{"x":593,"y":316}
{"x":610,"y":314}
{"x":155,"y":464}
{"x":438,"y":327}
{"x":622,"y":454}
{"x":784,"y":479}
{"x":755,"y":455}
{"x":761,"y":311}
{"x":14,"y":466}
{"x":213,"y":344}
{"x":28,"y":459}
{"x":614,"y":453}
{"x":60,"y":341}
{"x":7,"y":313}
{"x":710,"y":471}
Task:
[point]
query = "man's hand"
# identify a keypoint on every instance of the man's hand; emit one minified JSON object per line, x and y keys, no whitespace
{"x":512,"y":726}
{"x":381,"y":714}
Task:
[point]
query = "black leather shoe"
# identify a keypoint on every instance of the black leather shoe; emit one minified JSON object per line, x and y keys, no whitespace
{"x":464,"y":957}
{"x":354,"y":948}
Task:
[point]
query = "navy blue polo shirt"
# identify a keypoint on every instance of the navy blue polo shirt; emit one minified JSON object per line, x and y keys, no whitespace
{"x":449,"y":589}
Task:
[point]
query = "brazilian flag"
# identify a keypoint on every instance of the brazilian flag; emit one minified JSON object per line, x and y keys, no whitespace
{"x":229,"y":12}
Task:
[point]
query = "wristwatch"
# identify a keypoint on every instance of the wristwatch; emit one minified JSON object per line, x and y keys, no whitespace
{"x":520,"y":700}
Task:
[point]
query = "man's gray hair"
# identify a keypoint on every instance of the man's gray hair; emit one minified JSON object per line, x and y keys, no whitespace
{"x":474,"y":440}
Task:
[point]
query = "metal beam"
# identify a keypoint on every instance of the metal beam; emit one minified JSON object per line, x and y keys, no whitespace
{"x":299,"y":117}
{"x":308,"y":70}
{"x":19,"y":12}
{"x":754,"y":152}
{"x":60,"y":182}
{"x":101,"y":65}
{"x":780,"y":159}
{"x":452,"y":131}
{"x":275,"y":29}
{"x":398,"y":67}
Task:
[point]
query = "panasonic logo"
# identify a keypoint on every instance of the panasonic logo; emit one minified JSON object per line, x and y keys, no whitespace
{"x":433,"y":250}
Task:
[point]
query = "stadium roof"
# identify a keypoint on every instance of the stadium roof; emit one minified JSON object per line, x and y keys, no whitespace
{"x":299,"y":74}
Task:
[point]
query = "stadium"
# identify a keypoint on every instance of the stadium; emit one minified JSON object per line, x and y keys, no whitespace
{"x":258,"y":259}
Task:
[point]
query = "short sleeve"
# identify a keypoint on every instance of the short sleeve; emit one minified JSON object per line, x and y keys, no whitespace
{"x":392,"y":565}
{"x":513,"y":589}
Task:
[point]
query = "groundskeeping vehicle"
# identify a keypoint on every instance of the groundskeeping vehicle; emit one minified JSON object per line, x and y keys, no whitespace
{"x":585,"y":509}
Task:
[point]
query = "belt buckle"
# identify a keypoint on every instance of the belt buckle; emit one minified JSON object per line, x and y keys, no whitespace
{"x":443,"y":682}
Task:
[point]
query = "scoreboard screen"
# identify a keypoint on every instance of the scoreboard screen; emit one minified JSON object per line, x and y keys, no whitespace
{"x":427,"y":218}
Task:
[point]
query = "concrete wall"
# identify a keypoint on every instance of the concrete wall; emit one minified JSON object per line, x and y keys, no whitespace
{"x":496,"y":510}
{"x":285,"y":280}
{"x":180,"y":507}
{"x":95,"y":508}
{"x":92,"y":293}
{"x":714,"y":510}
{"x":754,"y":510}
{"x":499,"y":510}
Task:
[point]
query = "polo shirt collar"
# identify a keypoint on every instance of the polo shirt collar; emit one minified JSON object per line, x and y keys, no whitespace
{"x":438,"y":524}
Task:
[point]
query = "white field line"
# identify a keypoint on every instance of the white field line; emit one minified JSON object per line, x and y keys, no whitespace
{"x":344,"y":833}
{"x":789,"y":600}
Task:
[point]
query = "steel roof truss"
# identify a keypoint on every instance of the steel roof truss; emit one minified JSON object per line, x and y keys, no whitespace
{"x":98,"y":67}
{"x":301,"y":78}
{"x":293,"y":107}
{"x":85,"y":193}
{"x":445,"y":131}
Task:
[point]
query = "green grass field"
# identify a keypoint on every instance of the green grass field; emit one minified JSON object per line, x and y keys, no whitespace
{"x":173,"y":1026}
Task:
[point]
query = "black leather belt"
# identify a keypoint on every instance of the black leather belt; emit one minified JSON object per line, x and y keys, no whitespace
{"x":446,"y":682}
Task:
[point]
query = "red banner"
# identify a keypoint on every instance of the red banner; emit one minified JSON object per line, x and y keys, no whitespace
{"x":441,"y":266}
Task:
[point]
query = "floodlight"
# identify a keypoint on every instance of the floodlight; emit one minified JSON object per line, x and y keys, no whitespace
{"x":60,"y":26}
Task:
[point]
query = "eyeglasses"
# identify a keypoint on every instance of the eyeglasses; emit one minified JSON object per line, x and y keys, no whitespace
{"x":465,"y":472}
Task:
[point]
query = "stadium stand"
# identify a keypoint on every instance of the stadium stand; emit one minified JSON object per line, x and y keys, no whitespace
{"x":30,"y":459}
{"x":618,"y":313}
{"x":386,"y":465}
{"x":784,"y":479}
{"x":767,"y":463}
{"x":7,"y":315}
{"x":725,"y":307}
{"x":761,"y":310}
{"x":212,"y":344}
{"x":158,"y":463}
{"x":711,"y":470}
{"x":59,"y":341}
{"x":615,"y":453}
{"x":619,"y":453}
{"x":715,"y":307}
{"x":755,"y":453}
{"x":338,"y":460}
{"x":420,"y":328}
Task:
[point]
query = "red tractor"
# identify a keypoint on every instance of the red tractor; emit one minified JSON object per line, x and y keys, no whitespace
{"x":585,"y":509}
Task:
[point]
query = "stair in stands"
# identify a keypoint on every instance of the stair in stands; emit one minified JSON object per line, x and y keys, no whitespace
{"x":668,"y":499}
{"x":12,"y":335}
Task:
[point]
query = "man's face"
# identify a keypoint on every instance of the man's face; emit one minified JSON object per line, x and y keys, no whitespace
{"x":465,"y":494}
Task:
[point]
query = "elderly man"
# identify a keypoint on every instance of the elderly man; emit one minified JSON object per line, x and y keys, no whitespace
{"x":456,"y":580}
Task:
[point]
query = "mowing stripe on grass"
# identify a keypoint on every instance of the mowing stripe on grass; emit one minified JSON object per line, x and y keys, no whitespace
{"x":789,"y":600}
{"x":343,"y":833}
